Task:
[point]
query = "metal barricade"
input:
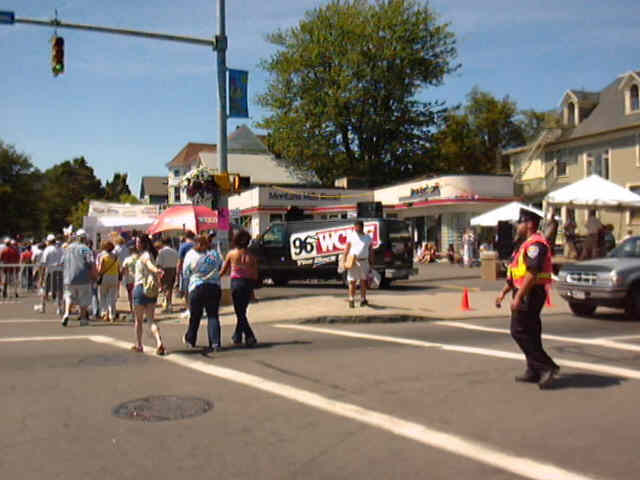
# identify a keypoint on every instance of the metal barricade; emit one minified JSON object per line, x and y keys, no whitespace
{"x":19,"y":280}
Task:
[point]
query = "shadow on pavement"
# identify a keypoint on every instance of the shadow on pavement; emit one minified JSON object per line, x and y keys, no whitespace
{"x":585,"y":380}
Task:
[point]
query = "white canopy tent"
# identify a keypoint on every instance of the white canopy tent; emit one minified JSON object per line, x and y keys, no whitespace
{"x":506,"y":213}
{"x":593,"y":191}
{"x":114,"y":223}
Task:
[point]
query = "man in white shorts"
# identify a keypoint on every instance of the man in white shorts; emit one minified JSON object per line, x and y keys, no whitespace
{"x":358,"y":245}
{"x":79,"y":270}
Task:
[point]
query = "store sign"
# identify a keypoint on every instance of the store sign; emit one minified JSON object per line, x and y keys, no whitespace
{"x":426,"y":191}
{"x":102,"y":209}
{"x":306,"y":196}
{"x":327,"y":241}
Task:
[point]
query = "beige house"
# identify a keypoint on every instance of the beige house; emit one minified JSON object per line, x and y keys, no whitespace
{"x":247,"y":156}
{"x":599,"y":133}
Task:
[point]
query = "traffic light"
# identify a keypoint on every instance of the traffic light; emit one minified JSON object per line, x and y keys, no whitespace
{"x":223,"y":181}
{"x":240,"y":183}
{"x":57,"y":55}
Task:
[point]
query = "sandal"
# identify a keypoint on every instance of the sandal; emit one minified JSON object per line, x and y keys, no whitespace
{"x":160,"y":350}
{"x":136,"y":348}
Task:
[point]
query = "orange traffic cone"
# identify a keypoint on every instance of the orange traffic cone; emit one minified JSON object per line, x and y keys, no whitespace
{"x":465,"y":300}
{"x":548,"y":302}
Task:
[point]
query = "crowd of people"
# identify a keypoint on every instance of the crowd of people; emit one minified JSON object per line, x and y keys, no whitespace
{"x":77,"y":278}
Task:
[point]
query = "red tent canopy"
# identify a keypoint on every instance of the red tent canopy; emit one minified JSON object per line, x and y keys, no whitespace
{"x":185,"y":217}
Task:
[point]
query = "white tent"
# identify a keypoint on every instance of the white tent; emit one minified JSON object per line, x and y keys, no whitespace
{"x":593,"y":191}
{"x":506,"y":213}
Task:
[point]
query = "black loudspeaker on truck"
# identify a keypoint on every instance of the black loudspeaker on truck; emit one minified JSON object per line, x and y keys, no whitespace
{"x":300,"y":250}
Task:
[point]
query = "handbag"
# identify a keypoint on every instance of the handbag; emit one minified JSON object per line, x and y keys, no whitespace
{"x":150,"y":286}
{"x":349,"y":261}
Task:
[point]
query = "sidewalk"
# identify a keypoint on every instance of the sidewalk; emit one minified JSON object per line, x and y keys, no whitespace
{"x":384,"y":306}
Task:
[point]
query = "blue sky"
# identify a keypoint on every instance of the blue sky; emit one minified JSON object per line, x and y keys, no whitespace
{"x":129,"y":104}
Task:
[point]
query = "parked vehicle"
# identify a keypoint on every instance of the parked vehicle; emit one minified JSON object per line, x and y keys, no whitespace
{"x":611,"y":281}
{"x":303,"y":250}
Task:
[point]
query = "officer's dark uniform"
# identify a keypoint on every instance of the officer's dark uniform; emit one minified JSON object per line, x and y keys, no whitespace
{"x":526,"y":325}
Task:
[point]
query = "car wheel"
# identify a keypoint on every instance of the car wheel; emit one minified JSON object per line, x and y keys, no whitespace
{"x":385,"y":282}
{"x":280,"y":280}
{"x":632,"y":307}
{"x":582,"y":309}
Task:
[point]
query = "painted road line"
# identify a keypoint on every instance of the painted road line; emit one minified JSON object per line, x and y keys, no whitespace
{"x":447,"y":442}
{"x":488,"y":352}
{"x":600,"y":342}
{"x":44,"y":339}
{"x":620,"y":337}
{"x":28,"y":320}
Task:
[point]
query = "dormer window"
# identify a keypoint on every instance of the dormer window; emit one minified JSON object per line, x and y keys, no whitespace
{"x":634,"y":98}
{"x":630,"y":85}
{"x":571,"y":114}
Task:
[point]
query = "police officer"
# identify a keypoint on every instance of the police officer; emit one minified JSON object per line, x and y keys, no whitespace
{"x":529,"y":276}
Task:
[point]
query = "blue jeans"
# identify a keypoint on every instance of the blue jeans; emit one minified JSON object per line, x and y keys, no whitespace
{"x":205,"y":296}
{"x":241,"y":290}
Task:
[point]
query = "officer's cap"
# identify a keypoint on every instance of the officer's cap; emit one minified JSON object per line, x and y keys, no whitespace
{"x":528,"y":216}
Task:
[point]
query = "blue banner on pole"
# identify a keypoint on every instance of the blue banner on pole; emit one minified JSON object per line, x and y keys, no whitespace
{"x":238,"y":103}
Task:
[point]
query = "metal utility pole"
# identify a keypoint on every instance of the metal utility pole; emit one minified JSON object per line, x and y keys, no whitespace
{"x":221,"y":49}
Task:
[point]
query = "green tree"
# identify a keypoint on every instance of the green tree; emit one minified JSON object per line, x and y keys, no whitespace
{"x":116,"y":187}
{"x":473,"y":136}
{"x":344,"y":86}
{"x":20,"y":184}
{"x":533,"y":122}
{"x":66,"y":185}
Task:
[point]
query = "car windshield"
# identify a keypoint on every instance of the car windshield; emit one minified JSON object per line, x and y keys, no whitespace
{"x":628,"y":249}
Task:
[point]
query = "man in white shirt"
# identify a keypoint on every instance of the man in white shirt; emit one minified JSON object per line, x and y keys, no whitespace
{"x":52,"y":273}
{"x":168,"y":261}
{"x":358,"y":245}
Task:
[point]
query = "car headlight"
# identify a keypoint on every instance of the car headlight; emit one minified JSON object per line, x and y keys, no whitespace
{"x":615,"y":280}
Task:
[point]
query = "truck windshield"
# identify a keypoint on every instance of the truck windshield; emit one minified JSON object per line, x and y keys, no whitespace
{"x":628,"y":249}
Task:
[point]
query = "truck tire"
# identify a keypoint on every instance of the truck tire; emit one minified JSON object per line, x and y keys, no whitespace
{"x":280,"y":280}
{"x":632,"y":307}
{"x":385,"y":282}
{"x":582,"y":309}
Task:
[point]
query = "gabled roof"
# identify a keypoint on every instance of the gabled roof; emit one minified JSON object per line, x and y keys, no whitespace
{"x":156,"y":186}
{"x":189,"y":154}
{"x":263,"y":168}
{"x":629,"y":77}
{"x":609,"y":114}
{"x":243,"y":140}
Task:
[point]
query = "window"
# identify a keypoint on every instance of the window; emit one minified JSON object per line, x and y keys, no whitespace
{"x":176,"y":195}
{"x":275,"y":217}
{"x":561,"y":166}
{"x":571,"y":114}
{"x":634,"y":98}
{"x":598,"y":164}
{"x":176,"y":173}
{"x":274,"y":236}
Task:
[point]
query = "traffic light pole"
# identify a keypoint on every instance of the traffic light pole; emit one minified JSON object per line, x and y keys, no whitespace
{"x":118,"y":31}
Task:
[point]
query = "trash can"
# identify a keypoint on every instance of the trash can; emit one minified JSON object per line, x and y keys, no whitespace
{"x":489,"y":265}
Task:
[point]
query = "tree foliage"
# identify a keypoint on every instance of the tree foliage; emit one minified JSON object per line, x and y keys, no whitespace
{"x":344,"y":86}
{"x":65,"y":185}
{"x":19,"y":193}
{"x":474,"y":135}
{"x":117,"y":187}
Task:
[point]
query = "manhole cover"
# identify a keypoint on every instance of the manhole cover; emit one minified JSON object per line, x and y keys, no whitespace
{"x":162,"y":408}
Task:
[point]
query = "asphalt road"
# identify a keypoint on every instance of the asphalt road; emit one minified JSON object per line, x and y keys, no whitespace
{"x":433,"y":400}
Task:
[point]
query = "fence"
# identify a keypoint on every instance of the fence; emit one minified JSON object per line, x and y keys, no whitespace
{"x":18,"y":280}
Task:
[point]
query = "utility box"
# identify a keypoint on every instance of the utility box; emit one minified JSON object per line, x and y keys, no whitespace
{"x":489,"y":265}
